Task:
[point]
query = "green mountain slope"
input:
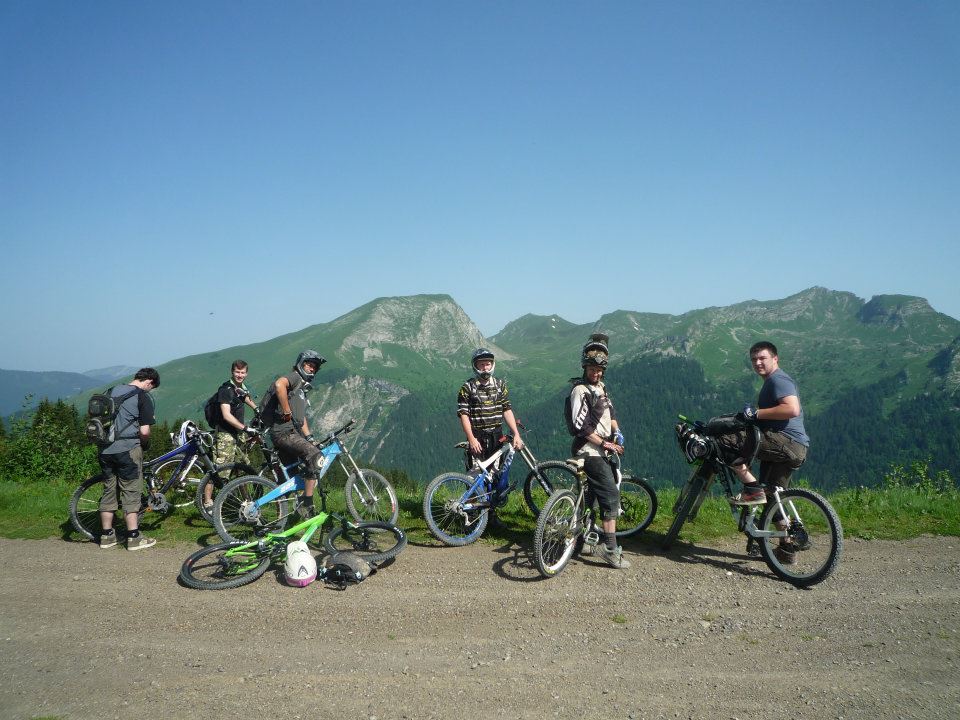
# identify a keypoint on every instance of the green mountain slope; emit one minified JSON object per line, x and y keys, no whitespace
{"x":879,"y":380}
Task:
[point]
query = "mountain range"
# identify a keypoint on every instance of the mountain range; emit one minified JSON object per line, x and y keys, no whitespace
{"x":879,"y":380}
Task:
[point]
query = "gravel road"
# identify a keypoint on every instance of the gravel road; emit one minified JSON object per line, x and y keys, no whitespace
{"x":701,"y":632}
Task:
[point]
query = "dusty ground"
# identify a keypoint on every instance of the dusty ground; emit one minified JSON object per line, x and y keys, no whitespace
{"x":702,"y":632}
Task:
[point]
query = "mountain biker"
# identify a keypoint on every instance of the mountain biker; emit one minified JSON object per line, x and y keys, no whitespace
{"x":122,"y":460}
{"x":289,"y":430}
{"x":783,"y":438}
{"x":231,"y":398}
{"x":598,"y":434}
{"x":483,"y":404}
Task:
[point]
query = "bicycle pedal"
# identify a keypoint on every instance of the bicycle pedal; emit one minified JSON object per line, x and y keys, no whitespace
{"x":591,"y":538}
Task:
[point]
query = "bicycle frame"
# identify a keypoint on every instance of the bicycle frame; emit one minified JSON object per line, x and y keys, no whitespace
{"x":482,"y":485}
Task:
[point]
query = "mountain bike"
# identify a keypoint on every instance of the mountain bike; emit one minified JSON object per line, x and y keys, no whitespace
{"x":369,"y":495}
{"x":568,"y":520}
{"x":798,"y":531}
{"x":168,"y":481}
{"x":251,"y":505}
{"x":236,"y":563}
{"x":456,"y":506}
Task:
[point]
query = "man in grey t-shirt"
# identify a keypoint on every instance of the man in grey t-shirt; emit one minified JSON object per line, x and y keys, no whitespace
{"x":122,"y":460}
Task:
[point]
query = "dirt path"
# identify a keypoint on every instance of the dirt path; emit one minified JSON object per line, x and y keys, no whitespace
{"x":466,"y":632}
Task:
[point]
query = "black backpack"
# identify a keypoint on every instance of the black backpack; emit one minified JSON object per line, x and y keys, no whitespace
{"x":211,"y":409}
{"x":102,"y":410}
{"x":345,"y":568}
{"x":568,"y":410}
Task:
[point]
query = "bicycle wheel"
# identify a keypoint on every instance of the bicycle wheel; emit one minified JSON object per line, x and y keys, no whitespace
{"x":370,"y":496}
{"x":215,"y":568}
{"x":218,"y":479}
{"x":85,"y":508}
{"x":543,"y":480}
{"x":453,"y":518}
{"x":557,"y":533}
{"x":236,"y":515}
{"x":691,"y":491}
{"x":813,"y":543}
{"x":180,"y":493}
{"x":638,"y":506}
{"x":375,"y":542}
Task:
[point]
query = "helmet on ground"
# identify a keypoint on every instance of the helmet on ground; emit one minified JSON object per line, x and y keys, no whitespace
{"x":300,"y":568}
{"x":188,"y":430}
{"x":483,"y":354}
{"x":596,"y":351}
{"x":305,"y":357}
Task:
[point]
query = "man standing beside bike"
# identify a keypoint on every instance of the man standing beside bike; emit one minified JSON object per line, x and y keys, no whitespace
{"x":228,"y":421}
{"x":285,"y":411}
{"x":483,"y":405}
{"x":596,"y":433}
{"x":783,"y":438}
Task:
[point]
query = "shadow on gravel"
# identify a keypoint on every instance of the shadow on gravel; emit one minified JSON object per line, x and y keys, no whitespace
{"x":721,"y":559}
{"x":517,"y":565}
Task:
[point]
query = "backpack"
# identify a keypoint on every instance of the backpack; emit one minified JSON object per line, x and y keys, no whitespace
{"x":211,"y":409}
{"x":345,"y":568}
{"x":102,"y":410}
{"x":568,"y":410}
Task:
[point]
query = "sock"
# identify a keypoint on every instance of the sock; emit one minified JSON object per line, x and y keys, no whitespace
{"x":106,"y":533}
{"x":133,"y":534}
{"x":610,"y":540}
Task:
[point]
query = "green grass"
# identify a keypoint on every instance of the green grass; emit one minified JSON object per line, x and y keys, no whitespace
{"x":39,"y":510}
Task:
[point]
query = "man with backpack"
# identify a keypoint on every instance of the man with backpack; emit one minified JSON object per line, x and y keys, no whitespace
{"x":122,"y":460}
{"x":284,"y":410}
{"x":224,"y":412}
{"x":593,"y":423}
{"x":483,"y":404}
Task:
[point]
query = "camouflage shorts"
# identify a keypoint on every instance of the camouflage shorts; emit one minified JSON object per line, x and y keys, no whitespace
{"x":226,"y":450}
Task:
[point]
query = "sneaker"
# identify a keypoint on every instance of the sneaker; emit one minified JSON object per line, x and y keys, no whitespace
{"x":751,"y":495}
{"x":306,"y":509}
{"x":786,"y":554}
{"x":141,"y":542}
{"x":208,"y":506}
{"x":108,"y":541}
{"x":613,"y":558}
{"x":753,"y":547}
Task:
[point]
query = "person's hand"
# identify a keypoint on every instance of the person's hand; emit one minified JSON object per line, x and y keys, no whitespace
{"x":618,"y":437}
{"x":286,"y":417}
{"x":311,"y":439}
{"x":517,"y":442}
{"x":612,"y":447}
{"x":749,"y":412}
{"x":475,"y":448}
{"x":250,"y":431}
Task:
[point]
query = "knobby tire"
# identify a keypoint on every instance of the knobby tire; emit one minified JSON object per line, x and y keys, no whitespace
{"x":210,"y":569}
{"x":375,"y":542}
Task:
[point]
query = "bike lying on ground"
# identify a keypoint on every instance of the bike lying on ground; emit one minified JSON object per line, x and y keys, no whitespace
{"x":798,"y":531}
{"x":369,"y":495}
{"x":456,"y":506}
{"x":568,"y":522}
{"x":236,"y":563}
{"x":249,"y":506}
{"x":169,"y":481}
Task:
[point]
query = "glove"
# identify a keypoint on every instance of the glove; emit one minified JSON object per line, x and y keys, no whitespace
{"x":287,"y":417}
{"x":311,"y":439}
{"x":618,"y":437}
{"x":249,"y":430}
{"x":749,"y":412}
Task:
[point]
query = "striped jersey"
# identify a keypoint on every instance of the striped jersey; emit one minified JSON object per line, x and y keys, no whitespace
{"x":484,"y":404}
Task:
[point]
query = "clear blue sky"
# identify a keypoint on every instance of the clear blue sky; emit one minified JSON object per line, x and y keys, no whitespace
{"x":180,"y":177}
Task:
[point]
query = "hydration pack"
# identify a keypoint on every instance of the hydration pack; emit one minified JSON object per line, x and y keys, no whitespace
{"x":102,"y":411}
{"x":345,"y":568}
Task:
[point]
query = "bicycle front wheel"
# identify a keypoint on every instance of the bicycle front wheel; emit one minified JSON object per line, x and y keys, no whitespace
{"x":216,"y":481}
{"x":220,"y":567}
{"x":544,"y":480}
{"x":375,"y":542}
{"x":85,"y":508}
{"x":558,"y":529}
{"x":238,"y":517}
{"x":688,"y":496}
{"x":370,"y":496}
{"x":454,"y":517}
{"x":638,"y":506}
{"x":811,"y":550}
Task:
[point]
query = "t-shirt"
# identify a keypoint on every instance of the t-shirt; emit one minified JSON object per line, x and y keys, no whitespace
{"x":591,"y":411}
{"x":777,"y":386}
{"x":298,"y":405}
{"x":135,"y":411}
{"x":484,"y":404}
{"x":234,"y":396}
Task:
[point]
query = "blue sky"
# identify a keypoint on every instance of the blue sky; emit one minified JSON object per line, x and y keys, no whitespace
{"x":181,"y":177}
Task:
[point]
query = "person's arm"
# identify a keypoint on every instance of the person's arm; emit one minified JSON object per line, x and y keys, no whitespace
{"x":250,"y":403}
{"x":468,"y":432}
{"x":229,"y":418}
{"x":511,"y":421}
{"x":787,"y":407}
{"x":283,"y":399}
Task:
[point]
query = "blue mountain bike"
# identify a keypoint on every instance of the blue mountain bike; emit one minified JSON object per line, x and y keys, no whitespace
{"x":251,"y":506}
{"x":169,"y":481}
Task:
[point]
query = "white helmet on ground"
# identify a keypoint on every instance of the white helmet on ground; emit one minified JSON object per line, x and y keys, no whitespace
{"x":300,"y":569}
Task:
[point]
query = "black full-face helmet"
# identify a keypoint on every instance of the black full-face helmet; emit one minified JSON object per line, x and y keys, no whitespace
{"x":303,"y":358}
{"x":483,"y":354}
{"x":596,"y":351}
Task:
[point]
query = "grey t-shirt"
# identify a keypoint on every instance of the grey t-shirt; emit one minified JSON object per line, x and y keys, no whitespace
{"x":135,"y":411}
{"x":779,"y":385}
